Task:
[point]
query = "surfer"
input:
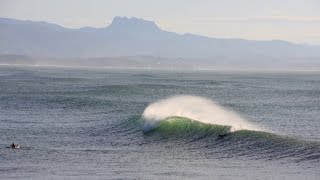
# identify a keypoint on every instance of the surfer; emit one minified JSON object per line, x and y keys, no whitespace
{"x":14,"y":146}
{"x":223,"y":135}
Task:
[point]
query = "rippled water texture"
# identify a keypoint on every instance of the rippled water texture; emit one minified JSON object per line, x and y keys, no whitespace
{"x":118,"y":124}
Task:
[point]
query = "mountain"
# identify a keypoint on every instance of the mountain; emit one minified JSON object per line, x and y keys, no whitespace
{"x":134,"y":37}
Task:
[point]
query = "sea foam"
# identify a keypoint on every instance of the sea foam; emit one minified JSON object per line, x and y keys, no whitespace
{"x":195,"y":108}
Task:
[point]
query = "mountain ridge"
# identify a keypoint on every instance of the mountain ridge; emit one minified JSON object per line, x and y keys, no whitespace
{"x":133,"y":37}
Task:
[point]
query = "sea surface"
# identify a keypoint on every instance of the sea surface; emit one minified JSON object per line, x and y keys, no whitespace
{"x":147,"y":124}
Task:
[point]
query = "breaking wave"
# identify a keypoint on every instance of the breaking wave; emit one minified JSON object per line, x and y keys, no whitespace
{"x":195,"y":108}
{"x":206,"y":126}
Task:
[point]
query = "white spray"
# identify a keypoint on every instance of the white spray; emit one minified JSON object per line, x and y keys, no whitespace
{"x":196,"y":108}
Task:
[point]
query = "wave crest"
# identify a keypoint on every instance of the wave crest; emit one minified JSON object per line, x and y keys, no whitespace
{"x":195,"y":108}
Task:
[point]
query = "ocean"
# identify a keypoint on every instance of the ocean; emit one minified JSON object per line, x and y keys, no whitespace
{"x":150,"y":124}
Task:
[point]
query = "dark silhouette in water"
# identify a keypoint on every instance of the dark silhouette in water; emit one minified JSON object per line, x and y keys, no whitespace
{"x":223,"y":135}
{"x":14,"y":146}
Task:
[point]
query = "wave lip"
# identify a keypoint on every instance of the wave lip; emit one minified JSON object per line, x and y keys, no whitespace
{"x":195,"y":108}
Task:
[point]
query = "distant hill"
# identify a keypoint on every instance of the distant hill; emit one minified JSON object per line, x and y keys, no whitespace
{"x":135,"y":37}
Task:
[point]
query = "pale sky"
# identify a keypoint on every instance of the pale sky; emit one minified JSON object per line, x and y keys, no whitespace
{"x":293,"y":20}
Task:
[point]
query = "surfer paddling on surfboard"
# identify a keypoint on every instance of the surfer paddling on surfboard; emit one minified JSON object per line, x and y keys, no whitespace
{"x":14,"y":146}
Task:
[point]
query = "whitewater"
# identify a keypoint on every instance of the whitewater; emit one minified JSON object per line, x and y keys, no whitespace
{"x":196,"y":108}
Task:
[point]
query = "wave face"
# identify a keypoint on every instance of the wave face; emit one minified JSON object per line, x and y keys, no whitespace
{"x":208,"y":127}
{"x":217,"y":140}
{"x":181,"y":126}
{"x":195,"y":108}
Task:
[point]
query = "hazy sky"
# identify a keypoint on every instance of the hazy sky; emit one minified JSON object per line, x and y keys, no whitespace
{"x":293,"y":20}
